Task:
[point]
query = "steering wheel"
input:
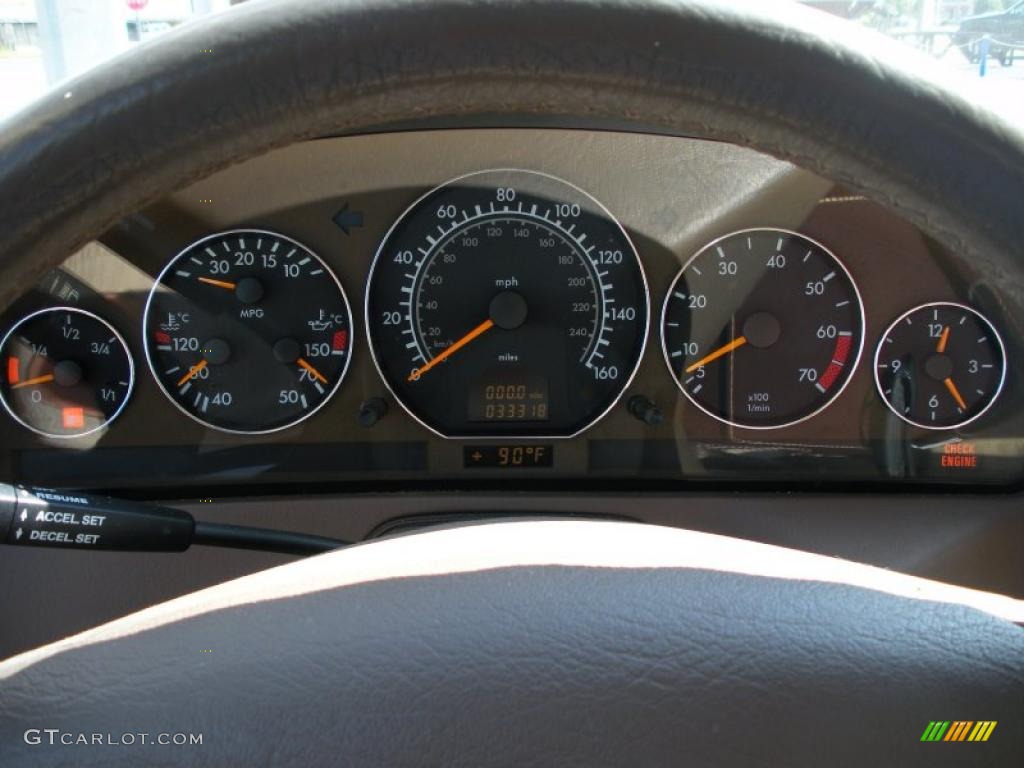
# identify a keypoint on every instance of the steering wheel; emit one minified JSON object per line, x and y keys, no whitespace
{"x":545,"y":642}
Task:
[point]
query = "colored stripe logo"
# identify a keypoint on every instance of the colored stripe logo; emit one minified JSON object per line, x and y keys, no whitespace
{"x":958,"y":730}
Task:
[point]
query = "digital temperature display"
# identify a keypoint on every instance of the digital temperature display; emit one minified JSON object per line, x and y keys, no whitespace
{"x":508,"y":456}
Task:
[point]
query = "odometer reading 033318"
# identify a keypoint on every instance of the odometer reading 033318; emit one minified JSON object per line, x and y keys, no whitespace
{"x":763,"y":328}
{"x":248,"y":331}
{"x":507,"y":303}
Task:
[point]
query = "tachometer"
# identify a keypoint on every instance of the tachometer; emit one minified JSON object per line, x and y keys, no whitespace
{"x":248,"y":331}
{"x":763,"y":328}
{"x":507,"y":303}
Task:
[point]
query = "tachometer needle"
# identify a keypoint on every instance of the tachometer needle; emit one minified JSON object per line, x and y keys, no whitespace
{"x":720,"y":352}
{"x":955,"y":393}
{"x":32,"y":382}
{"x":311,"y":370}
{"x":478,"y":331}
{"x":943,"y":341}
{"x":219,"y":283}
{"x":192,"y":371}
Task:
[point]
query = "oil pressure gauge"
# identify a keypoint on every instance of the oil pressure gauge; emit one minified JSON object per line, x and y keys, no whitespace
{"x":940,"y":366}
{"x":248,"y":331}
{"x":68,"y":372}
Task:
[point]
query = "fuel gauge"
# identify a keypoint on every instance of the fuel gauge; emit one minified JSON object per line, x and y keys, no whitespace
{"x":68,"y":372}
{"x":940,"y":366}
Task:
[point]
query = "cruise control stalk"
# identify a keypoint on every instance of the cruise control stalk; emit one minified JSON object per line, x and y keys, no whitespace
{"x":41,"y":517}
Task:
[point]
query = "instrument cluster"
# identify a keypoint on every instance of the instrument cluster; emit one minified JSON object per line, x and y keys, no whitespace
{"x":508,"y":308}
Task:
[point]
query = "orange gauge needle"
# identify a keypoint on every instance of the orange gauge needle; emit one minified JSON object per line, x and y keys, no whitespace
{"x":32,"y":382}
{"x":192,"y":371}
{"x":943,"y":341}
{"x":720,"y":352}
{"x":478,"y":331}
{"x":311,"y":370}
{"x":218,"y":283}
{"x":955,"y":393}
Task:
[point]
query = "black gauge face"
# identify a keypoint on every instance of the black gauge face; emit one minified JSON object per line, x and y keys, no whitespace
{"x":248,"y":331}
{"x":940,"y":366}
{"x":69,"y":373}
{"x":763,"y":328}
{"x":507,"y":303}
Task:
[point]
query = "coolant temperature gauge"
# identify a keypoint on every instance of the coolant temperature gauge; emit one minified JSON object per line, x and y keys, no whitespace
{"x":68,"y":373}
{"x":248,"y":331}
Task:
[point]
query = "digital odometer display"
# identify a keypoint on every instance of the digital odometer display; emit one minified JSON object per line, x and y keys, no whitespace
{"x":763,"y":328}
{"x":507,"y":303}
{"x":510,"y":396}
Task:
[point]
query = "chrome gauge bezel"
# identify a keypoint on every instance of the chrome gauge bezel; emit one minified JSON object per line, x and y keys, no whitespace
{"x":599,"y":207}
{"x":158,"y":281}
{"x":712,"y":244}
{"x":117,"y":336}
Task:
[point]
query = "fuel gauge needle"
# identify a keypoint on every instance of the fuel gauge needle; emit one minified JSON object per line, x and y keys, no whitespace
{"x":481,"y":329}
{"x":302,"y":363}
{"x":720,"y":352}
{"x":32,"y":382}
{"x":955,"y":393}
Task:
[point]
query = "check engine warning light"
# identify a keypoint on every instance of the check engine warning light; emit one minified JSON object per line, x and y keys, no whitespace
{"x":959,"y":455}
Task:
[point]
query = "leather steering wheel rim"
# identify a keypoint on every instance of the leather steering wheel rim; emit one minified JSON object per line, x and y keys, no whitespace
{"x":788,"y":81}
{"x":567,"y":643}
{"x":650,"y":664}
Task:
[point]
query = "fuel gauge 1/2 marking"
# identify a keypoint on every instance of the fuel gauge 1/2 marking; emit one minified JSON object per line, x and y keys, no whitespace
{"x":940,"y":366}
{"x":68,"y":373}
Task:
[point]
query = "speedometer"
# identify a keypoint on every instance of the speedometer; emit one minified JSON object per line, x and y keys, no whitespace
{"x":507,"y":303}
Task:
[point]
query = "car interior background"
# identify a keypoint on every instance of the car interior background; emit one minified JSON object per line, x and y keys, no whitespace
{"x":693,"y":308}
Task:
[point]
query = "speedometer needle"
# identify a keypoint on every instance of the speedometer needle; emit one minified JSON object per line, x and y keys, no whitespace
{"x":32,"y":382}
{"x":720,"y":352}
{"x":311,"y":370}
{"x":478,"y":331}
{"x":955,"y":393}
